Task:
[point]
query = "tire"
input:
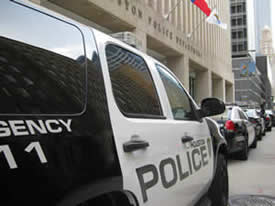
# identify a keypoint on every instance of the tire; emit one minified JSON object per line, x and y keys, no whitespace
{"x":255,"y":143}
{"x":269,"y":129}
{"x":260,"y":136}
{"x":218,"y":192}
{"x":244,"y":153}
{"x":264,"y":133}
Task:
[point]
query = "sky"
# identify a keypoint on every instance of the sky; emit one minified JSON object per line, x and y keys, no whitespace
{"x":273,"y":22}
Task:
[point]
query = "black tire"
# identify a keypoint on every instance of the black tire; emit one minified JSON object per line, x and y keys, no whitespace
{"x":255,"y":143}
{"x":264,"y":133}
{"x":260,"y":136}
{"x":269,"y":129}
{"x":218,"y":191}
{"x":244,"y":153}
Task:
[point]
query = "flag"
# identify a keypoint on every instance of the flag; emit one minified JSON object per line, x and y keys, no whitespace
{"x":202,"y":4}
{"x":248,"y":68}
{"x":213,"y":18}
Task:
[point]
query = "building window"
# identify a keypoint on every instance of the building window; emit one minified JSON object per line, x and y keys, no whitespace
{"x":234,"y":48}
{"x":233,"y":22}
{"x":132,"y":84}
{"x":240,"y":47}
{"x":234,"y":35}
{"x":240,"y":34}
{"x":239,"y":8}
{"x":240,"y":21}
{"x":233,"y":9}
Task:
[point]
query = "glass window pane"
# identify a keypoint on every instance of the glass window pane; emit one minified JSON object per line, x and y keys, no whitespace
{"x":42,"y":63}
{"x":179,"y":101}
{"x":132,"y":83}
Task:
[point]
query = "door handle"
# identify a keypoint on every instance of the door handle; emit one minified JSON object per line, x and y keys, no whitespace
{"x":186,"y":139}
{"x":133,"y":145}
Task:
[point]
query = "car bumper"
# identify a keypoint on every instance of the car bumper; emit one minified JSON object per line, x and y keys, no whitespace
{"x":235,"y":143}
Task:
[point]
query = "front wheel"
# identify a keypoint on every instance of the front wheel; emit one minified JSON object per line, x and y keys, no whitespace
{"x":218,"y":192}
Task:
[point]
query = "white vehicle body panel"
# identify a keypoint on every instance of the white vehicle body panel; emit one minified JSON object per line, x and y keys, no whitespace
{"x":164,"y":137}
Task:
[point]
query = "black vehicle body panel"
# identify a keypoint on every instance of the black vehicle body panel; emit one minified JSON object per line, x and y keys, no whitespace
{"x":220,"y":145}
{"x":235,"y":139}
{"x":272,"y":119}
{"x":81,"y":163}
{"x":257,"y":124}
{"x":268,"y":122}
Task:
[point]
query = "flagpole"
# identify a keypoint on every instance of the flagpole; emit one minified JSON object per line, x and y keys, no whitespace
{"x":189,"y":35}
{"x":166,"y":16}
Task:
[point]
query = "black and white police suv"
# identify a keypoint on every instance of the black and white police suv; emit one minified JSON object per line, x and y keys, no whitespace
{"x":88,"y":120}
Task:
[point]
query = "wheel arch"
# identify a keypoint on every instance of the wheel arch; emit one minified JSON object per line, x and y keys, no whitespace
{"x":111,"y":187}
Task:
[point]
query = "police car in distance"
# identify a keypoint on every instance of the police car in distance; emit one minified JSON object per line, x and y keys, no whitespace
{"x":88,"y":120}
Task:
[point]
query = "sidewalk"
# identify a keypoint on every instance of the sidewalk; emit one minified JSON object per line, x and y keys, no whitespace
{"x":256,"y":176}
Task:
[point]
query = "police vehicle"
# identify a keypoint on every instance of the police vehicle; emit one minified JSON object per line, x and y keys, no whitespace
{"x":88,"y":120}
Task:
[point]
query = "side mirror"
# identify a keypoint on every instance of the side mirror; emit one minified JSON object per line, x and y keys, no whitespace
{"x":211,"y":107}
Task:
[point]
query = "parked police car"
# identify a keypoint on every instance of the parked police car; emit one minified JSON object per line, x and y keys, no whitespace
{"x":88,"y":120}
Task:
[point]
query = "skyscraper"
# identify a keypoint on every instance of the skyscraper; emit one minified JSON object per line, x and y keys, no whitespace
{"x":266,"y":47}
{"x":242,"y":27}
{"x":263,"y":18}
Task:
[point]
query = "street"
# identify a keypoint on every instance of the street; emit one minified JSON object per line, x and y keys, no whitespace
{"x":256,"y":175}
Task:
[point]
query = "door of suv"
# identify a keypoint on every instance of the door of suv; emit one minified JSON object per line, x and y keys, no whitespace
{"x":147,"y":151}
{"x":153,"y":159}
{"x":193,"y":133}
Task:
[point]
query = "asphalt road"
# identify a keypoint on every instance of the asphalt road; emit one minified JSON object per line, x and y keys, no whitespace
{"x":256,"y":176}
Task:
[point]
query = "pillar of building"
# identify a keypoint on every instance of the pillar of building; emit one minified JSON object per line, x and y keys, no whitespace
{"x":218,"y":89}
{"x":230,"y":94}
{"x":203,"y":87}
{"x":180,"y":67}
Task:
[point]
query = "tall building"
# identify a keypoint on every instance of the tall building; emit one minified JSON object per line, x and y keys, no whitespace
{"x":243,"y":28}
{"x":264,"y":65}
{"x":202,"y":62}
{"x":263,"y":19}
{"x":249,"y":89}
{"x":266,"y":47}
{"x":247,"y":18}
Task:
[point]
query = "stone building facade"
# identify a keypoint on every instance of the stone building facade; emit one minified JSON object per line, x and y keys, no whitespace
{"x":202,"y":62}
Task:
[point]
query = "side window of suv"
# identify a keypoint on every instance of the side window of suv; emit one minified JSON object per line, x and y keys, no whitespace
{"x":42,"y":63}
{"x":132,"y":84}
{"x":180,"y":103}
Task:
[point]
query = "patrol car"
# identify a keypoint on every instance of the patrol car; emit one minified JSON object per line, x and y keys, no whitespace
{"x":88,"y":120}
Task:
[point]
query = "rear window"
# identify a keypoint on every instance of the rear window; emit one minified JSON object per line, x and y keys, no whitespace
{"x":42,"y":63}
{"x":251,"y":113}
{"x":224,"y":116}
